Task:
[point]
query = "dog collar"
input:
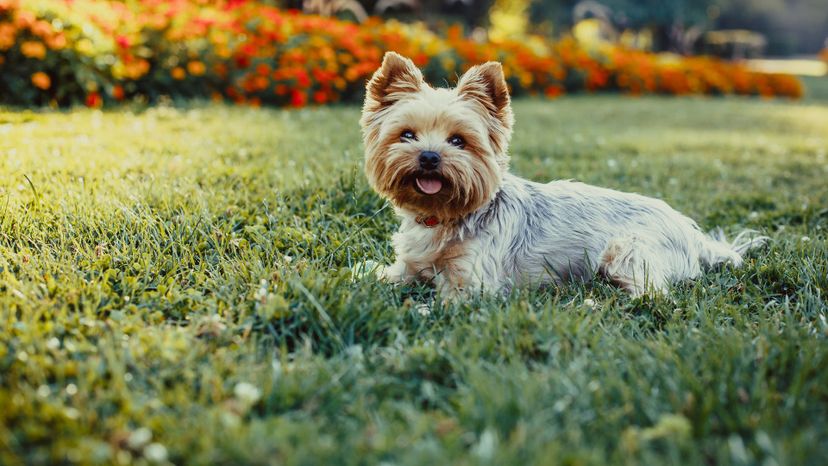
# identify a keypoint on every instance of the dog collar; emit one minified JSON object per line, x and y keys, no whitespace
{"x":428,"y":222}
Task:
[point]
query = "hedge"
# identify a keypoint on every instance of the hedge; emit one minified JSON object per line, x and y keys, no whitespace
{"x":67,"y":52}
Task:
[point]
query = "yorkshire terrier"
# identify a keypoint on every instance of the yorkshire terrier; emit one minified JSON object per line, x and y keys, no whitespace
{"x":467,"y":224}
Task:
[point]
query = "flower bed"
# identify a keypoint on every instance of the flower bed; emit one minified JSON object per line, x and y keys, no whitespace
{"x":64,"y":52}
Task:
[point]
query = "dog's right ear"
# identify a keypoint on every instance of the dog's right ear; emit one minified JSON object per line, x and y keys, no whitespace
{"x":396,"y":77}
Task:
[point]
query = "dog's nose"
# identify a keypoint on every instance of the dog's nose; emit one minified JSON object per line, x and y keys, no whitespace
{"x":429,"y":160}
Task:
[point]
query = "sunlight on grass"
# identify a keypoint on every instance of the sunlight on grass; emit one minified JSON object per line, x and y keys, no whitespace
{"x":176,"y":287}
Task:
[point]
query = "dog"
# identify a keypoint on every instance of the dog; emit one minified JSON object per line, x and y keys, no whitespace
{"x":467,"y":224}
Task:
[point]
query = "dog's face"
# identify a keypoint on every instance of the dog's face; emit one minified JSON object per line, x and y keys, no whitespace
{"x":434,"y":151}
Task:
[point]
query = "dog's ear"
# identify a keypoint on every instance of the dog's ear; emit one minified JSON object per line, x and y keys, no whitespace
{"x":486,"y":84}
{"x":396,"y":77}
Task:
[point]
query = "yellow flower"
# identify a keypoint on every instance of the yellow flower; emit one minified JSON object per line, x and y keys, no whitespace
{"x":178,"y":73}
{"x":196,"y":68}
{"x":33,"y":49}
{"x":41,"y":80}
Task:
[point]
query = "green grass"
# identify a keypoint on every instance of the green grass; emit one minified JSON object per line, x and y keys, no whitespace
{"x":154,"y":264}
{"x":816,"y":88}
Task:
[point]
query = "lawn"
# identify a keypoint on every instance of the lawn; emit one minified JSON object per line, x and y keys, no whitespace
{"x":176,"y":286}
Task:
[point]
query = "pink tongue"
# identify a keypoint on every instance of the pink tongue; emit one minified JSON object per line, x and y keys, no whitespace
{"x":429,"y":185}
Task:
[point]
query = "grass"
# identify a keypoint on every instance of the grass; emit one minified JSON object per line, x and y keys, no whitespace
{"x":175,"y":286}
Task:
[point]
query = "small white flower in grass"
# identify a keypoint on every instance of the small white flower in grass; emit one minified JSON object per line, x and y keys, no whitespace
{"x":805,"y":239}
{"x":53,"y":343}
{"x":43,"y":391}
{"x":247,"y":393}
{"x":485,"y":448}
{"x":365,"y":269}
{"x":139,"y":437}
{"x":155,"y":452}
{"x":71,"y":389}
{"x":423,"y":309}
{"x":589,"y":303}
{"x":753,"y":215}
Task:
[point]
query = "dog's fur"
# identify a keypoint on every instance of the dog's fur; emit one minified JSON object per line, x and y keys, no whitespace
{"x":488,"y":229}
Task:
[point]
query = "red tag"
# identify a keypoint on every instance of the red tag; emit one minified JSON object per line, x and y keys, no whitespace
{"x":429,"y":222}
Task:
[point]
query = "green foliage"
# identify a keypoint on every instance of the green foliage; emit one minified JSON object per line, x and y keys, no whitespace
{"x":790,"y":26}
{"x":175,"y":286}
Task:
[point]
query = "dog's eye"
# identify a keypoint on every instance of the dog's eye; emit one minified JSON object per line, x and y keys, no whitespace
{"x":408,"y":135}
{"x":457,"y":141}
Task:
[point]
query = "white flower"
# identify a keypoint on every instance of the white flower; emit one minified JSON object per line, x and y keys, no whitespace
{"x":247,"y":393}
{"x":155,"y":452}
{"x":139,"y":437}
{"x":364,"y":269}
{"x":487,"y":444}
{"x":589,"y":303}
{"x":423,"y":309}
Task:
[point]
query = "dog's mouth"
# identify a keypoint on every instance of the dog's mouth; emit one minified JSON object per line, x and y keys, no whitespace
{"x":428,"y":185}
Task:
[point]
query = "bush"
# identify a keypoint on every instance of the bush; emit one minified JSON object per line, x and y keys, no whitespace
{"x":65,"y":52}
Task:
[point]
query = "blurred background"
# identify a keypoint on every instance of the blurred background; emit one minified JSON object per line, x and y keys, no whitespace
{"x":313,"y":52}
{"x":728,"y":28}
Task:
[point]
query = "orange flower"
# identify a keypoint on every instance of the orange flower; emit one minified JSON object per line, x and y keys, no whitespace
{"x":41,"y":28}
{"x":553,"y":91}
{"x":33,"y":49}
{"x":118,"y":92}
{"x":7,"y":4}
{"x":7,"y":33}
{"x":25,"y":18}
{"x":56,"y":41}
{"x":178,"y":73}
{"x":196,"y":68}
{"x":41,"y":80}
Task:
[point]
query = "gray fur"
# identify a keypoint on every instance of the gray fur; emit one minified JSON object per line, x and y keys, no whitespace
{"x":564,"y":230}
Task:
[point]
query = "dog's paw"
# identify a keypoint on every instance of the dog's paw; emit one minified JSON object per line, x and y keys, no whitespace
{"x":394,"y":273}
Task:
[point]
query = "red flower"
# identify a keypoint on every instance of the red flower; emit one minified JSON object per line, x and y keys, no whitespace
{"x":297,"y":98}
{"x":302,"y":78}
{"x":94,"y":100}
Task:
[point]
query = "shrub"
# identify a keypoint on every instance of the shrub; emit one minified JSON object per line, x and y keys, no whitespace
{"x":64,"y":52}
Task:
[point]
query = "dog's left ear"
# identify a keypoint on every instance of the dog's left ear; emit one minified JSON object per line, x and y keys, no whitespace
{"x":486,"y":84}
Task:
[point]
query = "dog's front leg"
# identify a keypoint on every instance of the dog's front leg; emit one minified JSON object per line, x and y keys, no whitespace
{"x":461,"y":278}
{"x":394,"y":273}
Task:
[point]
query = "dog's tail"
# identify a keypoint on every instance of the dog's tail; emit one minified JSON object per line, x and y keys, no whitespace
{"x":717,"y":249}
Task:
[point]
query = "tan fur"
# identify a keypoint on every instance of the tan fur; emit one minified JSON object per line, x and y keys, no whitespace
{"x":487,"y":229}
{"x":478,"y":110}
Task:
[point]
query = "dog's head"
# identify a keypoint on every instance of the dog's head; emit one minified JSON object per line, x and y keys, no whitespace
{"x":435,"y":151}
